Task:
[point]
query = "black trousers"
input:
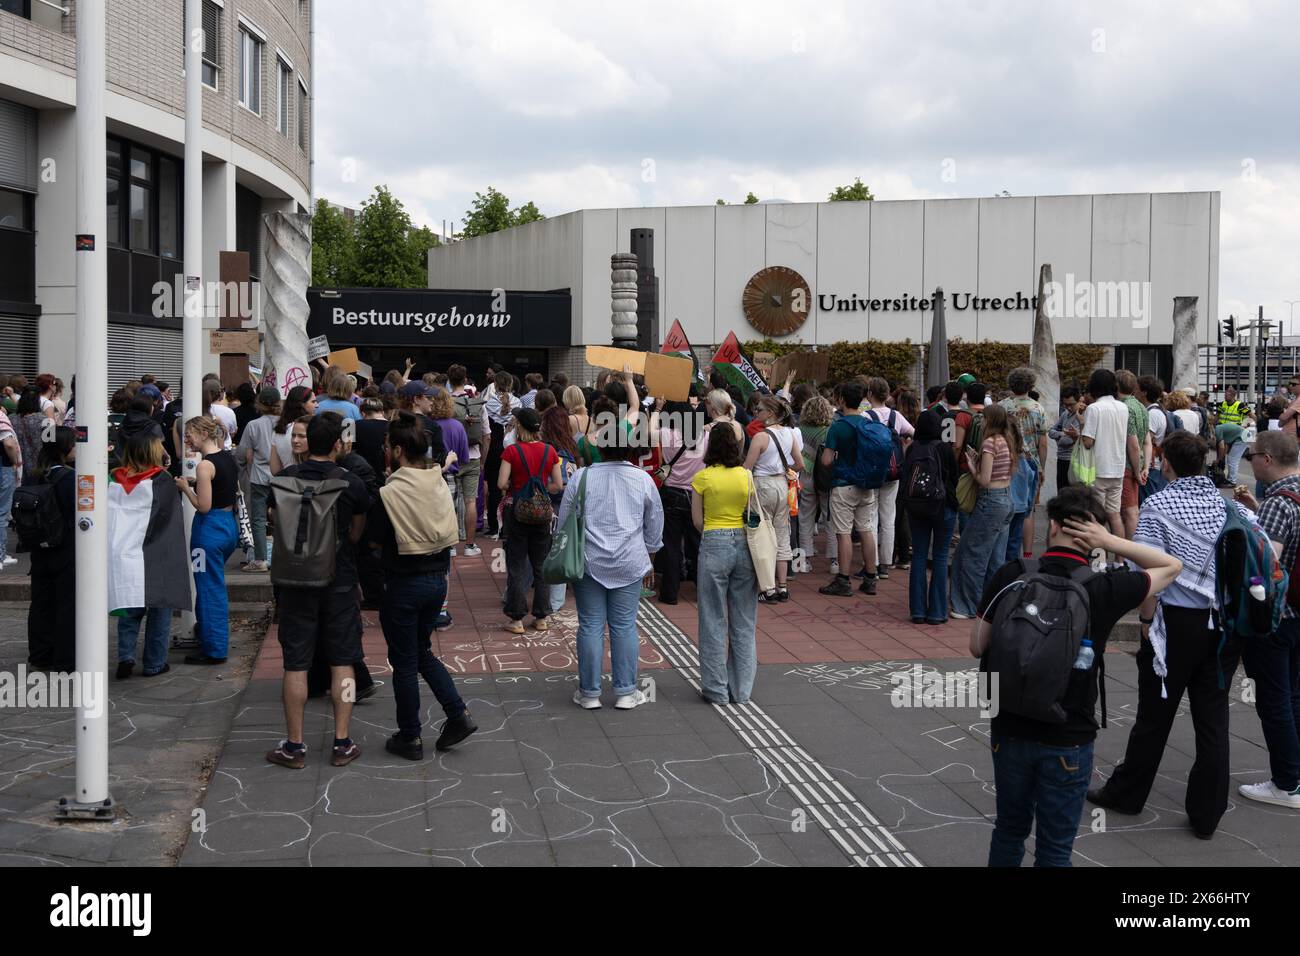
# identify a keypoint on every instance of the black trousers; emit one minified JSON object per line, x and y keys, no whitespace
{"x":681,"y":543}
{"x":526,"y":548}
{"x":52,"y":613}
{"x":1193,"y":666}
{"x":319,"y":677}
{"x":491,"y":468}
{"x":1062,"y":473}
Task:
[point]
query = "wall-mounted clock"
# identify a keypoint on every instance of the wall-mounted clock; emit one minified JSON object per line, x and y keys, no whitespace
{"x":776,"y":301}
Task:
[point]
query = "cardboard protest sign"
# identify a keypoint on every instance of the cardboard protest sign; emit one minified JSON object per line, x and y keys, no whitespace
{"x":807,"y":367}
{"x":666,"y":376}
{"x":345,"y":359}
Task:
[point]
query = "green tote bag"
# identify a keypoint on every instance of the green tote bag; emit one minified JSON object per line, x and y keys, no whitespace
{"x":566,"y":563}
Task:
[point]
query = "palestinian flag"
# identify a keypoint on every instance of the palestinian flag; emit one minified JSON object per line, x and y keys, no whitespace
{"x":676,"y":344}
{"x":147,"y":565}
{"x":730,"y":362}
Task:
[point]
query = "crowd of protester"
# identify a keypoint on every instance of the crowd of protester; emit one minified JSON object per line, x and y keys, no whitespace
{"x":357,"y":495}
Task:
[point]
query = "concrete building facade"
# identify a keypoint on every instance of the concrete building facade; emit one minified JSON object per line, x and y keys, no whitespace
{"x":257,"y":140}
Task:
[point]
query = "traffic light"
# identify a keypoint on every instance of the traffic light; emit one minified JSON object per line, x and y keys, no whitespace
{"x":1229,"y":328}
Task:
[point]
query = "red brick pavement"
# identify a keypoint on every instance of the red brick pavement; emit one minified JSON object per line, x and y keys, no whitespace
{"x":810,"y":628}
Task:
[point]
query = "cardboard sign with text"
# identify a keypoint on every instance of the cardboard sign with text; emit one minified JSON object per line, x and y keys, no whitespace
{"x":346,"y":359}
{"x":807,"y":367}
{"x":317,"y":348}
{"x":231,"y":342}
{"x":763,"y":362}
{"x":666,"y":376}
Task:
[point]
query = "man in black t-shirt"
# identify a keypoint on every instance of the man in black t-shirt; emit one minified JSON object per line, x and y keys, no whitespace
{"x":1042,"y":769}
{"x":329,"y":616}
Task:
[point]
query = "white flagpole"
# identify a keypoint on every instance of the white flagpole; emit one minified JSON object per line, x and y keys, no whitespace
{"x":91,"y":733}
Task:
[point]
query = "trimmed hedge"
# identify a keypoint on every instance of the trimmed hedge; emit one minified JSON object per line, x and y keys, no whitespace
{"x":989,"y":362}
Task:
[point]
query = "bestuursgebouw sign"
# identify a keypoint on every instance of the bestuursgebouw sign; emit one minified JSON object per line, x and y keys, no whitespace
{"x":434,"y":317}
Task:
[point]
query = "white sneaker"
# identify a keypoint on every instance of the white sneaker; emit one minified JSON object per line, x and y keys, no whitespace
{"x":473,"y":551}
{"x":634,"y":699}
{"x":1266,"y":792}
{"x":9,"y":559}
{"x":959,"y":617}
{"x":587,"y":703}
{"x":453,"y":552}
{"x":835,"y":566}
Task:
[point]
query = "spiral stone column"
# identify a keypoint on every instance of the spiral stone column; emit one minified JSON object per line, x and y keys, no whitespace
{"x":1047,"y":374}
{"x":284,"y":299}
{"x":622,"y":275}
{"x":1187,"y":340}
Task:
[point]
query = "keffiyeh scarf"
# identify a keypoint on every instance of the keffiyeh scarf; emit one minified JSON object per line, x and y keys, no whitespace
{"x":1184,"y":520}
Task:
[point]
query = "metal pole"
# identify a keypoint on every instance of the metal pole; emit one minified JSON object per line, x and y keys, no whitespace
{"x":91,"y":800}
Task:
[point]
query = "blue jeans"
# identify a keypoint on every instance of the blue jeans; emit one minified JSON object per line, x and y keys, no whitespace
{"x":411,"y":605}
{"x":8,"y":481}
{"x":216,"y":536}
{"x":1036,"y":780}
{"x":929,"y":545}
{"x":1273,"y":663}
{"x":257,"y":518}
{"x":156,"y":632}
{"x":598,"y":606}
{"x":980,"y":551}
{"x":727,"y":593}
{"x":1023,"y":504}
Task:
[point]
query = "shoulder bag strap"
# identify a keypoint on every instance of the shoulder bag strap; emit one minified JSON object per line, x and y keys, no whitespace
{"x":785,"y":462}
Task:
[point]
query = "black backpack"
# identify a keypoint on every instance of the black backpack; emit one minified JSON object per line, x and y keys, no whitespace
{"x":38,"y":516}
{"x":1037,"y":632}
{"x":923,"y":488}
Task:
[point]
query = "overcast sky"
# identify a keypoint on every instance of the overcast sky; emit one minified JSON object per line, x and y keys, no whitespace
{"x":580,"y":104}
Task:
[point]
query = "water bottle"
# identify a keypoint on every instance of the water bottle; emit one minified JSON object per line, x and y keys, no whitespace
{"x":1257,"y":588}
{"x":1086,"y":655}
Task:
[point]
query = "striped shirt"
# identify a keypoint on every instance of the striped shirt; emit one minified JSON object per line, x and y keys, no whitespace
{"x":622,"y":518}
{"x":1279,"y":516}
{"x":1001,"y":453}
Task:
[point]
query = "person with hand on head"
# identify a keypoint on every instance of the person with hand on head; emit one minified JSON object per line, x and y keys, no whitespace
{"x":1042,"y":768}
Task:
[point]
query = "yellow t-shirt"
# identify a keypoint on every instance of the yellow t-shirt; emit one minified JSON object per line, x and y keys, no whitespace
{"x":724,"y":493}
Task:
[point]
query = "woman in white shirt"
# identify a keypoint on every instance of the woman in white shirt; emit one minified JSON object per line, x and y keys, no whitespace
{"x":776,"y":458}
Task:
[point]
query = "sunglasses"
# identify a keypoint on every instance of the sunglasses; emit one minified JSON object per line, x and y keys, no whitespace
{"x":1252,"y":455}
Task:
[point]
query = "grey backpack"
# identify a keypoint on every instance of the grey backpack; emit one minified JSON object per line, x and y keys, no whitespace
{"x":1037,"y":631}
{"x":306,"y":529}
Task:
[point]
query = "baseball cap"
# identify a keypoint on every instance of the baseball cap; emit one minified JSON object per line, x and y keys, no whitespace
{"x":965,"y":379}
{"x":415,"y":390}
{"x":149,"y":390}
{"x":388,"y":388}
{"x":269,"y":395}
{"x":528,"y":418}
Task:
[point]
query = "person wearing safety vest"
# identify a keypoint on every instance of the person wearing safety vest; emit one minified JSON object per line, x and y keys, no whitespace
{"x":1231,"y":411}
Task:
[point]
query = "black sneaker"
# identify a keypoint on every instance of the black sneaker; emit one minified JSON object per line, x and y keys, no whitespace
{"x":882,"y":572}
{"x":412,"y":748}
{"x":868,"y":586}
{"x":125,"y":669}
{"x":783,"y":594}
{"x":768,"y":597}
{"x":455,"y":730}
{"x":839,"y":587}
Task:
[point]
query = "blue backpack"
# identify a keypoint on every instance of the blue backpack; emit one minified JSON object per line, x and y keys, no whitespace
{"x":876,"y":453}
{"x":1244,"y":558}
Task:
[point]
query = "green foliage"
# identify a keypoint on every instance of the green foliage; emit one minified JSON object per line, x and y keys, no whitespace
{"x":857,"y":192}
{"x":750,"y":199}
{"x":990,"y":362}
{"x":720,"y":202}
{"x":387,"y":256}
{"x":333,"y":247}
{"x":490,"y":212}
{"x":892,"y":361}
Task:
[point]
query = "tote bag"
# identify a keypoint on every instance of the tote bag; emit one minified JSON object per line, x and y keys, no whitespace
{"x":566,"y":563}
{"x":968,"y":492}
{"x":1083,"y":465}
{"x":761,"y":538}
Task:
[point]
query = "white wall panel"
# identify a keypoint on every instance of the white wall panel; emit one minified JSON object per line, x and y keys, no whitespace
{"x":792,"y":242}
{"x":843,"y":271}
{"x":1006,"y":267}
{"x":1063,"y":237}
{"x":897,"y":266}
{"x":688,"y":289}
{"x":951,"y":261}
{"x":740,"y":241}
{"x":1121,"y":253}
{"x":1180,"y":256}
{"x":599,"y":242}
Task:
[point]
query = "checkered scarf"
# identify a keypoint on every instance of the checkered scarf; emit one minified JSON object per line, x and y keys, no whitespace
{"x":1184,"y":520}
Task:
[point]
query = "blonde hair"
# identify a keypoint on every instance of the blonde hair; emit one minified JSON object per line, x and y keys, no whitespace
{"x":1177,"y":401}
{"x":441,"y":405}
{"x":574,"y":400}
{"x":140,"y":455}
{"x":336,"y":384}
{"x":720,"y":403}
{"x":206,"y":428}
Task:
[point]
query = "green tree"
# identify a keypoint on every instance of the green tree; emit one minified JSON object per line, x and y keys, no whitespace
{"x":387,"y":255}
{"x":857,"y":192}
{"x":750,"y":199}
{"x":491,"y":212}
{"x":421,"y":241}
{"x":333,"y":247}
{"x":720,"y":202}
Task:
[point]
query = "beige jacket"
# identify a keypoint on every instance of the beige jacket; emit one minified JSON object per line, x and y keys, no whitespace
{"x":420,"y":509}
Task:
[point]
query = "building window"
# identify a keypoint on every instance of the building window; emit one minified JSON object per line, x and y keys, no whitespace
{"x":169,"y":207}
{"x":250,"y":71}
{"x":248,"y":228}
{"x":15,"y":210}
{"x":303,"y":132}
{"x":141,"y":198}
{"x":114,"y":183}
{"x":211,"y":55}
{"x":285,"y":92}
